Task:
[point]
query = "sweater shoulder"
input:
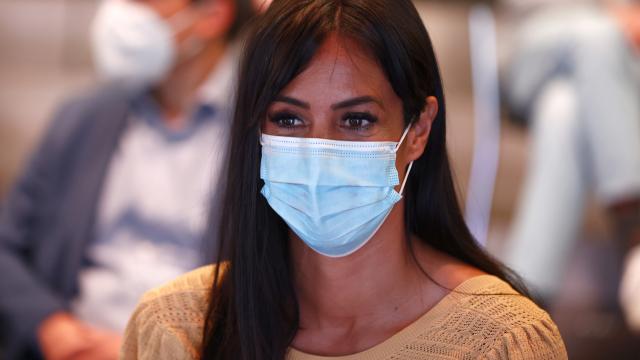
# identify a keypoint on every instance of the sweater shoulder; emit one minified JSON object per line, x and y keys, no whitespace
{"x":490,"y":319}
{"x":195,"y":283}
{"x":170,"y":319}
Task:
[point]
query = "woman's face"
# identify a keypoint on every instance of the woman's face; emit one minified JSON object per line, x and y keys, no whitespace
{"x":342,"y":95}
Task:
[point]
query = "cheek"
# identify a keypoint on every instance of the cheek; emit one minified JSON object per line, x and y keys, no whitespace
{"x":402,"y":160}
{"x":268,"y":127}
{"x":402,"y":163}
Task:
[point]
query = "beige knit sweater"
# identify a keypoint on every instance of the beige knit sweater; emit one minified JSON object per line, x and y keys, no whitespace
{"x":168,"y":325}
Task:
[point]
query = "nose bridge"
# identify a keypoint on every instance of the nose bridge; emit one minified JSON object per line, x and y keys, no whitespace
{"x":318,"y":133}
{"x":322,"y":124}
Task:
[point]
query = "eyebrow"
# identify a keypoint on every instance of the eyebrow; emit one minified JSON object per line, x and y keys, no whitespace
{"x":357,"y":101}
{"x":292,"y":101}
{"x":343,"y":104}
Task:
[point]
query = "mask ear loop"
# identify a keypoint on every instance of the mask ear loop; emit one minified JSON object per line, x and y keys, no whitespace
{"x":406,"y":176}
{"x":404,"y":135}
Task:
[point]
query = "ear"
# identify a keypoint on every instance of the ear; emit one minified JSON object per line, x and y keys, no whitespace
{"x":418,"y":135}
{"x":217,"y":19}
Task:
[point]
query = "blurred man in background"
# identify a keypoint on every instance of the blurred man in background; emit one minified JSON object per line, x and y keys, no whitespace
{"x":116,"y":197}
{"x":574,"y":77}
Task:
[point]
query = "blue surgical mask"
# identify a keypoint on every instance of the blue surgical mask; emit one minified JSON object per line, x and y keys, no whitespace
{"x":333,"y":194}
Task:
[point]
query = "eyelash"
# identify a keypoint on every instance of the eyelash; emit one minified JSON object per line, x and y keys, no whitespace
{"x":361,"y":116}
{"x":280,"y":118}
{"x":287,"y":120}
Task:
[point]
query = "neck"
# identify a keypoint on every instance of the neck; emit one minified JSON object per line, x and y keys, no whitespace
{"x":176,"y":93}
{"x":378,"y":279}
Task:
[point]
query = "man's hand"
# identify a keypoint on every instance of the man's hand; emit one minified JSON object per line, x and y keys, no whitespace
{"x":63,"y":337}
{"x":106,"y":345}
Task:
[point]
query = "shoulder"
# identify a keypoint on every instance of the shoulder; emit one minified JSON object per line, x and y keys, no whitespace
{"x":168,"y":321}
{"x":193,"y":283}
{"x":76,"y":115}
{"x":96,"y":100}
{"x":499,"y":323}
{"x":484,"y":316}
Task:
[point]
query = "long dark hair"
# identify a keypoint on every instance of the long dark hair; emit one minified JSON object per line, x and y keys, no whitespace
{"x":253,"y":310}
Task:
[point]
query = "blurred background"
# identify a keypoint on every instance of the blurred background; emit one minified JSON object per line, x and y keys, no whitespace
{"x":46,"y":58}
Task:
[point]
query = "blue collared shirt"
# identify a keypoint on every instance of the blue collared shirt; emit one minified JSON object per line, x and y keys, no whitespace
{"x":155,"y":203}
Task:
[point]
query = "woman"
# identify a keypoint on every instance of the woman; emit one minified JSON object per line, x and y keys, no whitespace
{"x":340,"y":110}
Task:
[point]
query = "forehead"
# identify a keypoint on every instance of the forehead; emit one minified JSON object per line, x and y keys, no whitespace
{"x":340,"y":68}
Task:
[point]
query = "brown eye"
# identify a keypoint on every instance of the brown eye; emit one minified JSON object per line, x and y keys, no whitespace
{"x":359,"y":121}
{"x":286,"y":120}
{"x":356,"y":122}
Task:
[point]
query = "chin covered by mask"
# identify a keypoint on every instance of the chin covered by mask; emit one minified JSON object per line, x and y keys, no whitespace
{"x":131,"y":42}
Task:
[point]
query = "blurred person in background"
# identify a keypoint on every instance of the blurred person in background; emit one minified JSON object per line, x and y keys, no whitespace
{"x":573,"y":75}
{"x":117,"y":197}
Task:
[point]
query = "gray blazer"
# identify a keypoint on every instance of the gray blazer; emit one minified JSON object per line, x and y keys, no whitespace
{"x":48,"y":217}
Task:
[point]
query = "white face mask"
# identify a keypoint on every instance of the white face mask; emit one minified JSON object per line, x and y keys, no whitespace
{"x":132,"y":42}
